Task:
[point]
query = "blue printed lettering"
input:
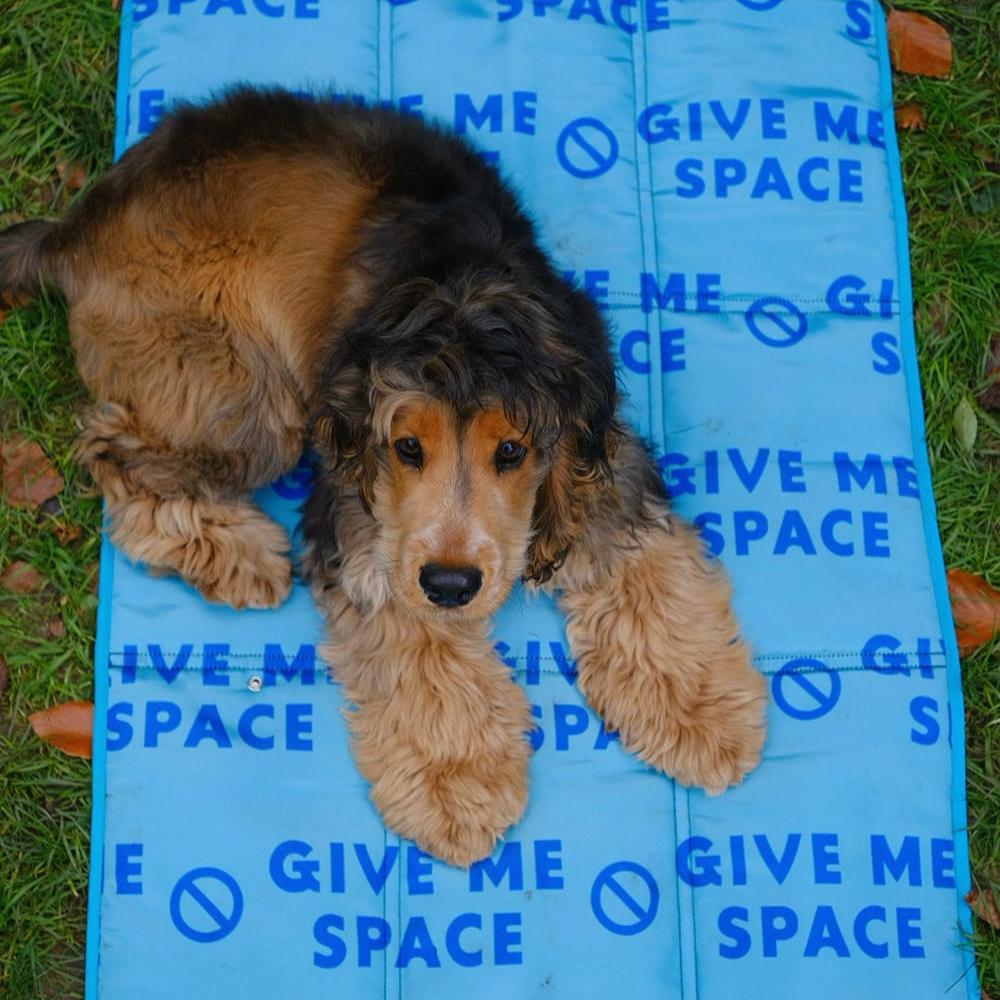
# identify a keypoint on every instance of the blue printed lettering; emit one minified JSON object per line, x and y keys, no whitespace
{"x":825,"y":933}
{"x":416,"y":943}
{"x":924,"y":711}
{"x":906,"y":861}
{"x":303,"y":664}
{"x":885,"y":347}
{"x":128,"y":870}
{"x":300,"y":875}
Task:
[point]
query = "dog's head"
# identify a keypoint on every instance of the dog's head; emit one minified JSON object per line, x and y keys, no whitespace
{"x":475,"y":420}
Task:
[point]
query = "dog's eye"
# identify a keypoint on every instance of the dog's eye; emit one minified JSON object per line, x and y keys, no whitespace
{"x":409,"y":451}
{"x":509,"y":455}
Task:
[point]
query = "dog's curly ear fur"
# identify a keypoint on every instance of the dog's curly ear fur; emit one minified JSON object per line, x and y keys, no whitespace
{"x":578,"y":484}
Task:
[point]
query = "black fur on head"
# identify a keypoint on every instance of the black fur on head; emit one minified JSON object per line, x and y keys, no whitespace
{"x":481,"y":337}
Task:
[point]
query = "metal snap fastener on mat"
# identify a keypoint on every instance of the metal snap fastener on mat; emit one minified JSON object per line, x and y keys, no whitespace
{"x":255,"y":683}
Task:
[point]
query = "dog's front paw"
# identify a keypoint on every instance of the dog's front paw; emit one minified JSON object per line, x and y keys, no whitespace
{"x":262,"y":585}
{"x":239,"y":558}
{"x":659,"y":657}
{"x":706,"y":731}
{"x":454,"y":810}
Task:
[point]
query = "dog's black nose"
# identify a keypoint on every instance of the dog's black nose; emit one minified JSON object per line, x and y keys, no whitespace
{"x":450,"y":586}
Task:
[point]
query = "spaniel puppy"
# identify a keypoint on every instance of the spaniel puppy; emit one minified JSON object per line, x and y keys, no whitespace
{"x":267,"y":272}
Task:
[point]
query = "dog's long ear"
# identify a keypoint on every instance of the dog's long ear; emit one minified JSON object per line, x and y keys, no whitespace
{"x":579,"y":482}
{"x":578,"y":485}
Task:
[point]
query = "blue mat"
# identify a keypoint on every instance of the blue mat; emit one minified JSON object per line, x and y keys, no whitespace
{"x":722,"y":176}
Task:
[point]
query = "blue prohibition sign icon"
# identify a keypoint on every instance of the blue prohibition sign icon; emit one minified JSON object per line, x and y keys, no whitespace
{"x":806,"y":688}
{"x":760,"y":4}
{"x":203,"y":917}
{"x":587,"y":148}
{"x":637,"y":898}
{"x":776,"y":322}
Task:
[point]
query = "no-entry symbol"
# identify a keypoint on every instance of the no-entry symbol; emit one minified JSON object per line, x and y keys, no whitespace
{"x":806,"y":688}
{"x":776,"y":322}
{"x":624,"y":898}
{"x":206,"y":904}
{"x":587,"y":148}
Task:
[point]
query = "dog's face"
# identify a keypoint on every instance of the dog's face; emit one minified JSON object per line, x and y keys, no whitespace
{"x":474,"y":423}
{"x":454,"y":500}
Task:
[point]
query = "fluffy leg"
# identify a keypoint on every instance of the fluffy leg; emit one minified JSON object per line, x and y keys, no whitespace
{"x":657,"y":647}
{"x":438,"y":727}
{"x":164,"y":515}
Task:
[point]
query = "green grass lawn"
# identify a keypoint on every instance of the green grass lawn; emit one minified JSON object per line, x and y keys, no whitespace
{"x":57,"y":74}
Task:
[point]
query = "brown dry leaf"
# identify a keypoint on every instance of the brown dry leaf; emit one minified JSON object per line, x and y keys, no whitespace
{"x":989,"y":398}
{"x":55,"y":628}
{"x":67,"y":726}
{"x":975,"y":606}
{"x":21,"y":578}
{"x":984,"y":906}
{"x":65,"y":531}
{"x":27,"y":475}
{"x":911,"y":116}
{"x":72,"y":175}
{"x":917,"y":44}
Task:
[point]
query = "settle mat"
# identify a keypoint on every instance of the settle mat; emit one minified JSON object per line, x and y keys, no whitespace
{"x":722,"y":177}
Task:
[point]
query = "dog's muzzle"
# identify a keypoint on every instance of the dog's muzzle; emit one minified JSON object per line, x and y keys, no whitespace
{"x":450,"y":586}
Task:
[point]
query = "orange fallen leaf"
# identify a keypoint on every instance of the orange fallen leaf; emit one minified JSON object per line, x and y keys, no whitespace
{"x":21,"y":578}
{"x":984,"y":906}
{"x":911,"y":116}
{"x":975,"y":606}
{"x":917,"y":44}
{"x":72,"y":175}
{"x":67,"y":726}
{"x":28,"y":477}
{"x":65,"y":531}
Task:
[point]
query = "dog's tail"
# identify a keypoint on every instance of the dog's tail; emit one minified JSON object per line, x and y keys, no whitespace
{"x":28,"y":260}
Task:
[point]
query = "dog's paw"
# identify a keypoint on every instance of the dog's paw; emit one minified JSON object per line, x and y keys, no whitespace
{"x":454,"y":810}
{"x":713,"y":746}
{"x":709,"y":736}
{"x":240,"y":561}
{"x":265,"y":585}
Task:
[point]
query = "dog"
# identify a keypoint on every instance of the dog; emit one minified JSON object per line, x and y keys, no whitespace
{"x":266,"y":272}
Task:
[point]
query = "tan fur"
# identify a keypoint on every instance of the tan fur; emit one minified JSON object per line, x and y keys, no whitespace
{"x":227,"y":548}
{"x":197,"y":317}
{"x":659,"y":654}
{"x":437,"y":725}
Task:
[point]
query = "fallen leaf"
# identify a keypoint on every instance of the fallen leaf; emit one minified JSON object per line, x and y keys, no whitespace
{"x":65,"y":531}
{"x":989,"y":398}
{"x":983,"y":906}
{"x":28,"y":477}
{"x":67,"y":726}
{"x":21,"y":578}
{"x":975,"y":606}
{"x":966,"y":425}
{"x":72,"y":175}
{"x":55,"y":628}
{"x":917,"y":44}
{"x":911,"y":116}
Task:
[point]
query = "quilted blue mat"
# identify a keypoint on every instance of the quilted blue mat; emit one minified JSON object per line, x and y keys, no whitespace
{"x":722,"y":177}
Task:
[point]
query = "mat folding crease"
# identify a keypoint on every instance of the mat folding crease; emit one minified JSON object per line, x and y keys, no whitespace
{"x":722,"y":177}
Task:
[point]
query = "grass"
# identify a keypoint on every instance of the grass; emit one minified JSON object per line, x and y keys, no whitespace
{"x":57,"y":63}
